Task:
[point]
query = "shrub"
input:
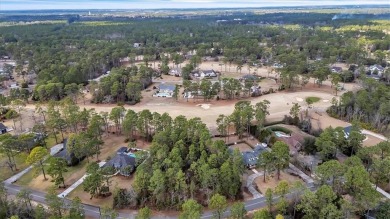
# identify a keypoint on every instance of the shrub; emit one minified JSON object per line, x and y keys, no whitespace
{"x":308,"y":145}
{"x":311,"y":100}
{"x":280,"y":129}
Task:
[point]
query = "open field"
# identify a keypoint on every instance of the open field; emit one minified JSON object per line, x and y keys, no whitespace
{"x":272,"y":181}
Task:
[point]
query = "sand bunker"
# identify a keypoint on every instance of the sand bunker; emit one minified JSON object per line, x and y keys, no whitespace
{"x":325,"y":101}
{"x":299,"y":99}
{"x":204,"y":106}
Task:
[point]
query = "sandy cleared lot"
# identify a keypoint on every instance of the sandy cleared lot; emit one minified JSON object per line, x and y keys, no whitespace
{"x":272,"y":181}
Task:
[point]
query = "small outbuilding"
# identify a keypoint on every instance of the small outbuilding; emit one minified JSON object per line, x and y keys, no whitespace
{"x":3,"y":128}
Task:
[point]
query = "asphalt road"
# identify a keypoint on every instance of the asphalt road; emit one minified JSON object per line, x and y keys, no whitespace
{"x":94,"y":211}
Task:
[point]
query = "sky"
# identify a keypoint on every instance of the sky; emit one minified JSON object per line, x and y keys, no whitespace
{"x":156,"y":4}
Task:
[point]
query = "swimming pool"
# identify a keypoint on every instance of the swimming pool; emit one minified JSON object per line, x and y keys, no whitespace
{"x":281,"y":134}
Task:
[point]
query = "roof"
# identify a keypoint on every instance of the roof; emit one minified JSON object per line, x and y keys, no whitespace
{"x":251,"y":157}
{"x":121,"y":150}
{"x":64,"y":152}
{"x":209,"y":71}
{"x":167,"y":87}
{"x":336,"y":68}
{"x":249,"y":77}
{"x":379,"y":67}
{"x":121,"y":161}
{"x":347,"y":130}
{"x":2,"y":126}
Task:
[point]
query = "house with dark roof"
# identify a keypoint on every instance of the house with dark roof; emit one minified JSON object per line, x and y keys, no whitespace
{"x":251,"y":158}
{"x":249,"y":77}
{"x":121,"y":150}
{"x":3,"y":128}
{"x":70,"y":157}
{"x":123,"y":163}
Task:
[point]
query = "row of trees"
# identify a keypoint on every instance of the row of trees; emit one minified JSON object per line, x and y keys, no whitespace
{"x":242,"y":117}
{"x":370,"y":106}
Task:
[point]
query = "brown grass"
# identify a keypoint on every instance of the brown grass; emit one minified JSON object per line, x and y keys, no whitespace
{"x":241,"y":147}
{"x":272,"y":181}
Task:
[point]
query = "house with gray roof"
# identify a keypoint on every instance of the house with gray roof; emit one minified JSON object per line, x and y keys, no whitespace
{"x":123,"y":163}
{"x":70,"y":157}
{"x":251,"y":158}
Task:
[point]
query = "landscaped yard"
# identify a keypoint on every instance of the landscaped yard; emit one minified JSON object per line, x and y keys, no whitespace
{"x":272,"y":181}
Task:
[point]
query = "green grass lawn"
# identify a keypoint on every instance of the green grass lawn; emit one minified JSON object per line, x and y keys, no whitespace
{"x":20,"y":164}
{"x":311,"y":100}
{"x":51,"y":141}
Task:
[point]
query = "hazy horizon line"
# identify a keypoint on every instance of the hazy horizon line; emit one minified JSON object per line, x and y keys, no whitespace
{"x":196,"y":8}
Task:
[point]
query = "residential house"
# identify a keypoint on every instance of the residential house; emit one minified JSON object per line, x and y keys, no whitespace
{"x":204,"y":74}
{"x":165,"y":90}
{"x":175,"y":72}
{"x":137,"y":45}
{"x":251,"y":158}
{"x":249,"y":77}
{"x":294,"y":142}
{"x":378,"y":69}
{"x":277,"y":65}
{"x":208,"y":74}
{"x":3,"y":128}
{"x":70,"y":157}
{"x":335,"y":69}
{"x":122,"y":162}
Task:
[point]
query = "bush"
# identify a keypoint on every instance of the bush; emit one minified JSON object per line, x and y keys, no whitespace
{"x":311,"y":100}
{"x":280,"y":129}
{"x":24,"y":84}
{"x":308,"y":145}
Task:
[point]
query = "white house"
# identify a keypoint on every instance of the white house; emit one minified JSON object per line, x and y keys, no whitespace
{"x":137,"y":45}
{"x":175,"y":72}
{"x":165,"y":90}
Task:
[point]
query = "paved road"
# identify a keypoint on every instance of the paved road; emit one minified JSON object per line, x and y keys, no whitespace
{"x":93,"y":211}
